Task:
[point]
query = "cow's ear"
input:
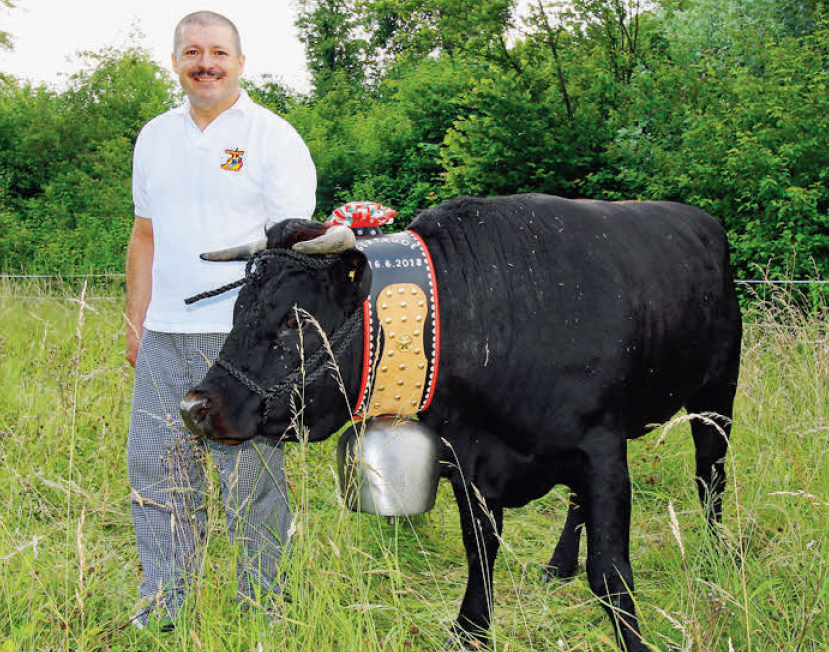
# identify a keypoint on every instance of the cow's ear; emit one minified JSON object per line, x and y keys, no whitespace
{"x":355,"y":267}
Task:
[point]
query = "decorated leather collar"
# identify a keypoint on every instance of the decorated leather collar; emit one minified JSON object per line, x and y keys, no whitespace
{"x":402,"y":327}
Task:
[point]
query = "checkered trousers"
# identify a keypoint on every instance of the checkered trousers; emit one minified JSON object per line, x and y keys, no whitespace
{"x":167,"y":467}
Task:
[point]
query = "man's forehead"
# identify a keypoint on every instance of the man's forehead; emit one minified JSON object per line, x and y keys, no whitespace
{"x":207,"y":36}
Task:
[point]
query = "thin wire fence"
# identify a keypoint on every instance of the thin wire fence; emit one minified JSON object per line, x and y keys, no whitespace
{"x":62,"y":276}
{"x":119,"y":278}
{"x":122,"y":275}
{"x":760,"y":281}
{"x":61,"y":287}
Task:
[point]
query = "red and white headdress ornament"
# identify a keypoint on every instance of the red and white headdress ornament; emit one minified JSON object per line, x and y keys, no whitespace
{"x":365,"y":217}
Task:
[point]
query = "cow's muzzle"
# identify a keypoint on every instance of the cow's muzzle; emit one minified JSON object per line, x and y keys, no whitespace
{"x":203,"y":416}
{"x":196,"y":413}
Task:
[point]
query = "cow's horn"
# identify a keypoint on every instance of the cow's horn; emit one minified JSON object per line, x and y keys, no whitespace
{"x":242,"y":252}
{"x":334,"y":241}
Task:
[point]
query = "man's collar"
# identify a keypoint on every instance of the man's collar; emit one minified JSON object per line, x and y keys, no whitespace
{"x":242,"y":104}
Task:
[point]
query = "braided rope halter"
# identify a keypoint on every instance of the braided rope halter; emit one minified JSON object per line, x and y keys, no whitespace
{"x":321,"y":361}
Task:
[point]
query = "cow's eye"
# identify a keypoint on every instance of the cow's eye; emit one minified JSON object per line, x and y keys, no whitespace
{"x":288,"y":328}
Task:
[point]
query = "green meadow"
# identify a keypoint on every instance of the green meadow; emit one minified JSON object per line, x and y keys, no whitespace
{"x":69,"y":572}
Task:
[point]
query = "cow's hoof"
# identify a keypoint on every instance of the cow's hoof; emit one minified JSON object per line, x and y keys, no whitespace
{"x":456,"y":644}
{"x":461,"y":640}
{"x":559,"y":573}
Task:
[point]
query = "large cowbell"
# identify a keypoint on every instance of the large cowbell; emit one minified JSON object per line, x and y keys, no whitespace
{"x":389,"y":466}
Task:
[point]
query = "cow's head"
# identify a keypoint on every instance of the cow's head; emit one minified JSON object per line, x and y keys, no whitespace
{"x":274,"y":375}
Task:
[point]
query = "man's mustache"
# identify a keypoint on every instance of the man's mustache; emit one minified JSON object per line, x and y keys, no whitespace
{"x":207,"y":73}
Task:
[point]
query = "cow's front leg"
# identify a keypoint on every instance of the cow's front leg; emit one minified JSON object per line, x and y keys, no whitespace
{"x":606,"y":504}
{"x":481,"y":525}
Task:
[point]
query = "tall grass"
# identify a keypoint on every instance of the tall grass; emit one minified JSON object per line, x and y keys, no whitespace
{"x":69,"y":571}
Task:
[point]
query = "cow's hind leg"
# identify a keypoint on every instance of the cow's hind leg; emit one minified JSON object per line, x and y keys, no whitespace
{"x":565,"y":559}
{"x":605,"y":498}
{"x":711,"y":429}
{"x":481,"y":526}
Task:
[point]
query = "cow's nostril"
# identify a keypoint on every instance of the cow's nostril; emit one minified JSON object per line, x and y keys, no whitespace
{"x":195,"y":412}
{"x":200,"y":412}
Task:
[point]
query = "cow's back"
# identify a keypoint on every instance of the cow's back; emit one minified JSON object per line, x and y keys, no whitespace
{"x":557,"y":311}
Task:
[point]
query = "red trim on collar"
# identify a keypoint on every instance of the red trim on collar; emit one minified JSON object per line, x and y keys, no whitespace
{"x":435,"y":321}
{"x":367,"y":356}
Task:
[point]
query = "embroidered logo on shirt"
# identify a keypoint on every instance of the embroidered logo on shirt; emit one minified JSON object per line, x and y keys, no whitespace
{"x":234,"y":163}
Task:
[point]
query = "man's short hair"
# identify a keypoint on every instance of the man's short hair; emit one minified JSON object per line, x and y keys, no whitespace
{"x":206,"y":18}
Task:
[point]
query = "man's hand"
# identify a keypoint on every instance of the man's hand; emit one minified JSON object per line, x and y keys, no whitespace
{"x":133,"y":337}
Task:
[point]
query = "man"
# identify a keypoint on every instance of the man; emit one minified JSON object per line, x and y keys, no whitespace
{"x":206,"y":175}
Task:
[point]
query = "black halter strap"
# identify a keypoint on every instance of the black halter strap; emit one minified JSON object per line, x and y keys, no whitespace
{"x":255,"y":269}
{"x":317,"y":364}
{"x":310,"y":370}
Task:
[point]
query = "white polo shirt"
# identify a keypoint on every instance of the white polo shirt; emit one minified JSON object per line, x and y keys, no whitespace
{"x":210,"y":190}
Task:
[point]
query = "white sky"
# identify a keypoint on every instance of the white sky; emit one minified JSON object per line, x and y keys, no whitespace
{"x":48,"y":33}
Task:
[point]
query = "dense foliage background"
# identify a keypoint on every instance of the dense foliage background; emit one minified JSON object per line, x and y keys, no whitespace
{"x":717,"y":103}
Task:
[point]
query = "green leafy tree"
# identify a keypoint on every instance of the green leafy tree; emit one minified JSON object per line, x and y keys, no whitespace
{"x":31,"y":130}
{"x":66,"y":161}
{"x":541,"y":116}
{"x":271,"y":93}
{"x":6,"y":39}
{"x":404,"y":28}
{"x":518,"y":138}
{"x":401,"y":133}
{"x":386,"y":147}
{"x":731,"y":30}
{"x":548,"y":41}
{"x":334,"y":50}
{"x":717,"y":103}
{"x":326,"y":124}
{"x":117,"y":91}
{"x":614,"y":27}
{"x":416,"y":29}
{"x":747,"y":143}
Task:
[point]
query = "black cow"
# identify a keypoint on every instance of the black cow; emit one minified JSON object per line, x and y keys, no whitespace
{"x":568,"y":327}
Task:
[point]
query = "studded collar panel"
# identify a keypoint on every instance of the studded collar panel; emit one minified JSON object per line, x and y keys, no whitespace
{"x":402,"y":327}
